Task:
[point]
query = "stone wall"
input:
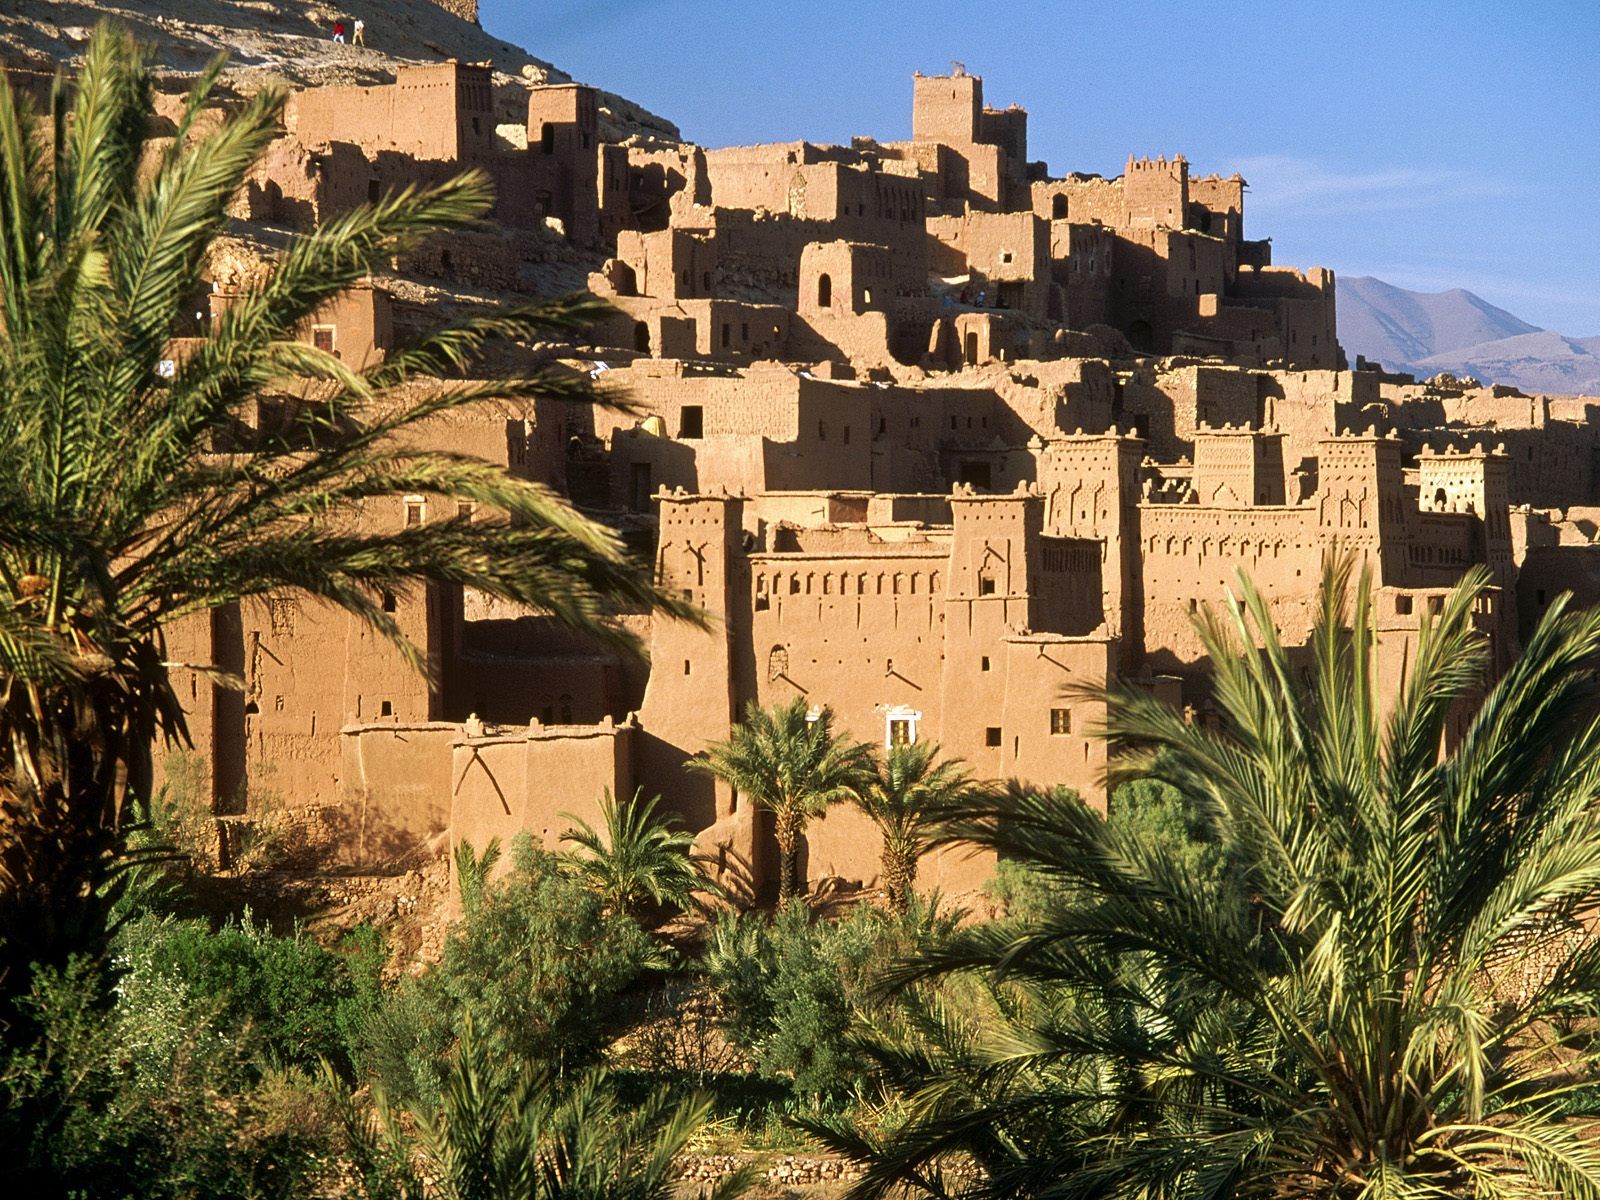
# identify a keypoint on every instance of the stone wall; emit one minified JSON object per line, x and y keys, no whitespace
{"x":467,"y":10}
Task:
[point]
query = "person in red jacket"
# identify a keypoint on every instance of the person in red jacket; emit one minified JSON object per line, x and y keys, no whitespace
{"x":338,"y":32}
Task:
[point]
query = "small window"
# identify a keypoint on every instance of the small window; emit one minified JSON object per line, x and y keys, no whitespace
{"x":1194,"y":605}
{"x":822,"y":431}
{"x":372,"y":191}
{"x":992,"y":736}
{"x":727,"y":334}
{"x":1005,"y":256}
{"x":416,"y":511}
{"x":322,"y":338}
{"x":1402,"y":605}
{"x":691,"y":421}
{"x":388,"y":602}
{"x":1060,"y":720}
{"x":847,"y":435}
{"x":547,"y":138}
{"x":1435,"y":605}
{"x":466,"y":509}
{"x":824,"y":291}
{"x":983,"y":663}
{"x":686,"y":666}
{"x":985,"y":585}
{"x":900,"y":723}
{"x":1538,"y":596}
{"x":386,"y":709}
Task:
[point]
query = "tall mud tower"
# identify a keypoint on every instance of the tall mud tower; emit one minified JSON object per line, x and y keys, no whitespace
{"x":467,"y":10}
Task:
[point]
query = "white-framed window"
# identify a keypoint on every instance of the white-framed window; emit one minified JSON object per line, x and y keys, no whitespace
{"x":900,"y":726}
{"x":416,"y":510}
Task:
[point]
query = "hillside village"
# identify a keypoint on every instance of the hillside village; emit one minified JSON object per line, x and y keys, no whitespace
{"x":542,"y":658}
{"x":939,"y":436}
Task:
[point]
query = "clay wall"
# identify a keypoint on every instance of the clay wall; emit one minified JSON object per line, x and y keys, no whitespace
{"x":357,"y":327}
{"x":1155,"y":192}
{"x":1007,"y":128}
{"x":1234,"y":467}
{"x":1303,"y":302}
{"x":946,"y":108}
{"x":563,"y":163}
{"x":1081,"y":261}
{"x":1216,"y":206}
{"x":1081,"y":199}
{"x":439,"y":111}
{"x":1190,"y":556}
{"x":395,"y":786}
{"x":658,"y":179}
{"x":693,"y":696}
{"x":782,"y":178}
{"x":1307,"y":406}
{"x":1008,"y":255}
{"x":511,"y":781}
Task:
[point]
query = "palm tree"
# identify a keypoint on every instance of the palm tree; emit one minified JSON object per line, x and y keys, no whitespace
{"x":641,"y":858}
{"x":504,"y":1134}
{"x":133,"y":495}
{"x":1409,"y":1012}
{"x":787,"y":760}
{"x":909,"y":788}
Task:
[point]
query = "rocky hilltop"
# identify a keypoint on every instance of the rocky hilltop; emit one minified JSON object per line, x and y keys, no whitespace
{"x":289,"y":42}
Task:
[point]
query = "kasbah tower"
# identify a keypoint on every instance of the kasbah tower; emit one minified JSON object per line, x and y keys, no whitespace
{"x":937,"y":436}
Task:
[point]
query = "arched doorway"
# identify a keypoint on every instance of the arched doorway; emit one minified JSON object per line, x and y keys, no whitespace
{"x":1141,"y":337}
{"x":824,"y":291}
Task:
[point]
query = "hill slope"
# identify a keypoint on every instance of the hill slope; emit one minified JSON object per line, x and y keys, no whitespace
{"x":288,"y":41}
{"x":1424,"y":333}
{"x":1395,"y":326}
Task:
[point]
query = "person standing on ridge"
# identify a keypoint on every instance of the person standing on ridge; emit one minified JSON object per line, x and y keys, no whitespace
{"x":358,"y":33}
{"x":338,"y":32}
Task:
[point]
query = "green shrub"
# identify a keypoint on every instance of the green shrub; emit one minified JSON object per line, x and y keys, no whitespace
{"x":143,"y":1092}
{"x":793,"y":988}
{"x":301,"y":1002}
{"x":537,"y":965}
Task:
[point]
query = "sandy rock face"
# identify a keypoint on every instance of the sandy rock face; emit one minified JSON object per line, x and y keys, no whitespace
{"x":291,"y":42}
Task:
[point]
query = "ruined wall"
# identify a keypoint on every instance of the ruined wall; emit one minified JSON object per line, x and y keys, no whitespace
{"x":1216,"y":206}
{"x":439,"y":111}
{"x":467,"y":10}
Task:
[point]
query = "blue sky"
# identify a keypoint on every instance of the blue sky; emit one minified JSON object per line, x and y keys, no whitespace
{"x":1433,"y":145}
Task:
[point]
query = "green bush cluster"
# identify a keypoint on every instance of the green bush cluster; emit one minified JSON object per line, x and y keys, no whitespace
{"x":183,"y":1071}
{"x":794,"y":986}
{"x":537,"y":964}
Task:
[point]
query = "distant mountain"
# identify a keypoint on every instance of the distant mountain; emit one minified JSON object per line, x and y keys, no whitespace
{"x":1393,"y":326}
{"x":1424,"y":333}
